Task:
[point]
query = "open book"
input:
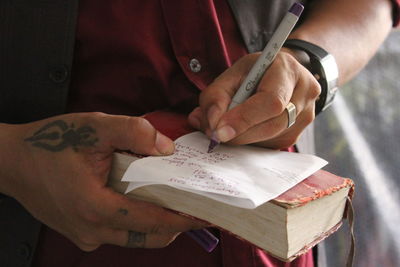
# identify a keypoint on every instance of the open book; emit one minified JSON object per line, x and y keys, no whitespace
{"x":251,"y":202}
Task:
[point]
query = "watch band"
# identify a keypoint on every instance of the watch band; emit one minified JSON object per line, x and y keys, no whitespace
{"x":324,"y":69}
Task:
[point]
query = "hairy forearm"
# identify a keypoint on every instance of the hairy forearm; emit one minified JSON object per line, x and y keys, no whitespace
{"x":350,"y":30}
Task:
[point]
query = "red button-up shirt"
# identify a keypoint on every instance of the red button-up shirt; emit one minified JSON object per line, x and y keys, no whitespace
{"x":134,"y":57}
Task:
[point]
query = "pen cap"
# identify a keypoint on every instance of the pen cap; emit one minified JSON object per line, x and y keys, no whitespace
{"x":296,"y":9}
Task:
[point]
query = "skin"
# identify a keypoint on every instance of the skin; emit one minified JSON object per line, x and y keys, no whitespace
{"x":57,"y":168}
{"x":350,"y":30}
{"x":61,"y":176}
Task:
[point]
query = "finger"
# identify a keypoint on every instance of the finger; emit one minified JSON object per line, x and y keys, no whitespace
{"x":216,"y":98}
{"x":263,"y":131}
{"x":290,"y":136}
{"x":194,"y":118}
{"x":133,"y":133}
{"x":124,"y":213}
{"x":85,"y":246}
{"x":272,"y":96}
{"x":198,"y":121}
{"x":143,"y":240}
{"x":134,"y":239}
{"x":86,"y":242}
{"x":279,"y":124}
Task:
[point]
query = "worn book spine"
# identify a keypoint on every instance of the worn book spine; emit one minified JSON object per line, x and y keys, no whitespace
{"x":318,"y":185}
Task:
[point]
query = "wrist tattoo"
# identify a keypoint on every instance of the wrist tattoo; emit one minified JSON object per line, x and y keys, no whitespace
{"x":136,"y":239}
{"x":58,"y":135}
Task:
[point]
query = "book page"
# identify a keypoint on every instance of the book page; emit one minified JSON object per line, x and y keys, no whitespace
{"x":243,"y":176}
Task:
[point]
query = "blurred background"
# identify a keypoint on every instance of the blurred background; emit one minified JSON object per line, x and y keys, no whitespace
{"x":359,"y":136}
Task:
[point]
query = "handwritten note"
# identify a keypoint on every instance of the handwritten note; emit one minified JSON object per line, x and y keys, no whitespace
{"x":243,"y":176}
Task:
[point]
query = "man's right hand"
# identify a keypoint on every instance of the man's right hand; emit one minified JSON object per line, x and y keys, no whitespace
{"x":58,"y":169}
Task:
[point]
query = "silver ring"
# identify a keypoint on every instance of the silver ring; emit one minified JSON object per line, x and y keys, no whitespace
{"x":136,"y":239}
{"x":291,"y":111}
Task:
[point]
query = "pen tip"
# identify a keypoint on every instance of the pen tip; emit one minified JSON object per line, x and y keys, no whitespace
{"x":213,"y":144}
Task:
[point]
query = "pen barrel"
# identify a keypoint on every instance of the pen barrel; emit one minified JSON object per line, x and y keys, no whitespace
{"x":267,"y":56}
{"x":204,"y":238}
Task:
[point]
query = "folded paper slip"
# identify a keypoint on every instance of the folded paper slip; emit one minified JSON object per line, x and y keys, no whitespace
{"x":285,"y":226}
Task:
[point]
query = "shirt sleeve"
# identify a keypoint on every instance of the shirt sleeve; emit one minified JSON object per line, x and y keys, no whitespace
{"x":396,"y":13}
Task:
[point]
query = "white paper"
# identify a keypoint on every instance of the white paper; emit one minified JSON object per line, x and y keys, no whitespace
{"x":243,"y":176}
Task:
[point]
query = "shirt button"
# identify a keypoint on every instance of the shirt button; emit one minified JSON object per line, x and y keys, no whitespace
{"x":24,"y":251}
{"x":58,"y":74}
{"x":194,"y":65}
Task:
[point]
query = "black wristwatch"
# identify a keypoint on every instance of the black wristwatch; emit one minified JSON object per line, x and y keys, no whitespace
{"x":324,"y":69}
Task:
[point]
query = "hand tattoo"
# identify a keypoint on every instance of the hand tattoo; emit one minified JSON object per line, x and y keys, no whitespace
{"x":57,"y":135}
{"x":136,"y":239}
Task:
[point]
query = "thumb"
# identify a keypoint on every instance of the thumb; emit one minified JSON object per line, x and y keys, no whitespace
{"x":135,"y":134}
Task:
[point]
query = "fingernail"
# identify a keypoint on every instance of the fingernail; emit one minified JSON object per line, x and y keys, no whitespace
{"x":164,"y":145}
{"x":213,"y":116}
{"x":225,"y":133}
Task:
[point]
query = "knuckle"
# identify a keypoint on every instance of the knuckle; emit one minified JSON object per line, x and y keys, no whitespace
{"x":91,"y":117}
{"x":91,"y":217}
{"x":98,"y":114}
{"x":87,"y":248}
{"x":273,"y":127}
{"x":87,"y":241}
{"x":309,"y":117}
{"x":287,"y":61}
{"x":315,"y":89}
{"x":156,"y":229}
{"x":245,"y":120}
{"x":277,"y":104}
{"x":288,"y":142}
{"x":280,"y":59}
{"x":136,"y":122}
{"x":140,"y":126}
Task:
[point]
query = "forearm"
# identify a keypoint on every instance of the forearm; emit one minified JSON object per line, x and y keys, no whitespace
{"x":350,"y":30}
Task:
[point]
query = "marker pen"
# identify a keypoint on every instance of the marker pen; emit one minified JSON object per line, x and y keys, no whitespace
{"x":204,"y":238}
{"x":267,"y":56}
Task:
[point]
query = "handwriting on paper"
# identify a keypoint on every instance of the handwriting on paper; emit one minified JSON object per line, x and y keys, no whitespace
{"x":200,"y":178}
{"x":244,"y":176}
{"x":184,"y":153}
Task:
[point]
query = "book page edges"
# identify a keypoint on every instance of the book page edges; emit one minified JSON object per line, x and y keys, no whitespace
{"x":310,"y":245}
{"x":302,"y":251}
